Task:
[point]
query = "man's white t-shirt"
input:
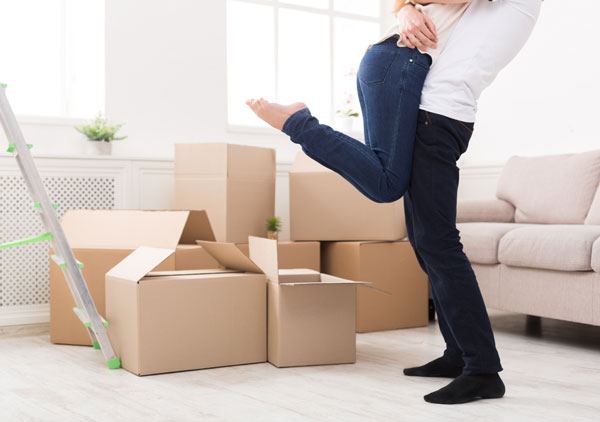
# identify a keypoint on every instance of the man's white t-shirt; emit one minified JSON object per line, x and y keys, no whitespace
{"x":488,"y":36}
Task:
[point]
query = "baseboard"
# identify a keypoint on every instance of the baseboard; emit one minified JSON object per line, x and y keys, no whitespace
{"x":20,"y":315}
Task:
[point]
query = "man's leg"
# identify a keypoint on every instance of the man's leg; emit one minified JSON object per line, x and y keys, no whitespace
{"x":451,"y":363}
{"x":433,"y":191}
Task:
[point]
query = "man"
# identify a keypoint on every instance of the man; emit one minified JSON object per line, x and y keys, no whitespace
{"x":485,"y":40}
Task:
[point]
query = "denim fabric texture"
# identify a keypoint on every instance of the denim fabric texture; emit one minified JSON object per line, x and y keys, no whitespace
{"x":430,"y":212}
{"x":389,"y":83}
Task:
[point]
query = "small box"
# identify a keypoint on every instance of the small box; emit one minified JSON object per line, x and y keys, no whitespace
{"x":324,"y":206}
{"x":294,"y":254}
{"x":235,"y":184}
{"x":311,"y":316}
{"x":390,"y":266}
{"x":181,"y":320}
{"x":102,"y":238}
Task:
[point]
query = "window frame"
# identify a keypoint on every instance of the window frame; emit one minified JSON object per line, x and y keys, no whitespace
{"x":331,"y":14}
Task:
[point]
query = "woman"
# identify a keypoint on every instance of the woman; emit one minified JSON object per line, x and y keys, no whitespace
{"x":389,"y":83}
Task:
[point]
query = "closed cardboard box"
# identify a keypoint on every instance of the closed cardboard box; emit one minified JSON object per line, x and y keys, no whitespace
{"x":390,"y":266}
{"x":294,"y":254}
{"x":235,"y":184}
{"x":311,"y":316}
{"x":182,"y":320}
{"x":324,"y":206}
{"x":102,"y":238}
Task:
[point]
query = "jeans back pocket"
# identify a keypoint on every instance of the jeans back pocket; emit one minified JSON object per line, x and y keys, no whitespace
{"x":375,"y":65}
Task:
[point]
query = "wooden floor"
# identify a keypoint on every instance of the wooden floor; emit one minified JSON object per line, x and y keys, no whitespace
{"x":552,"y":373}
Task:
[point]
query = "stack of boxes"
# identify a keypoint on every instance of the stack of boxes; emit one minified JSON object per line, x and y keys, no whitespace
{"x":199,"y":289}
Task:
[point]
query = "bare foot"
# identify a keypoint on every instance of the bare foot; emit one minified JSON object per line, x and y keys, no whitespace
{"x":273,"y":113}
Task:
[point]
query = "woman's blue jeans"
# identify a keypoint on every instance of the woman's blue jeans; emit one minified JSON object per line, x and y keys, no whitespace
{"x":389,"y":82}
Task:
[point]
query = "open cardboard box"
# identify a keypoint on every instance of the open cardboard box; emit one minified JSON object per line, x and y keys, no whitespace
{"x":325,"y":206}
{"x":311,"y":316}
{"x":168,"y":321}
{"x":294,"y":254}
{"x":102,"y":238}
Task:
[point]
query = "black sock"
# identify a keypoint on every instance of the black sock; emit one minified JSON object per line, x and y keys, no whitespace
{"x":439,"y":367}
{"x":467,"y":388}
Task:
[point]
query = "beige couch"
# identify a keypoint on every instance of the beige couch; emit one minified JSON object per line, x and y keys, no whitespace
{"x":536,"y":248}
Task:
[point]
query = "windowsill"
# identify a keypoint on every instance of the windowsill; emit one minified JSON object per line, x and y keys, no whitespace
{"x":254,"y":130}
{"x":50,"y":120}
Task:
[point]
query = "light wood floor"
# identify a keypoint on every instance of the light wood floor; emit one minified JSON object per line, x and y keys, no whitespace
{"x":552,"y":373}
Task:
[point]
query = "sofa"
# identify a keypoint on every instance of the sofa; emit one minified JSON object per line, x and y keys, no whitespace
{"x":535,"y":248}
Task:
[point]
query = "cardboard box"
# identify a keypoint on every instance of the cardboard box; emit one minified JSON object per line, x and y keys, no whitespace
{"x":324,"y":206}
{"x":102,"y":238}
{"x":181,"y":320}
{"x":294,"y":254}
{"x":235,"y":184}
{"x":311,"y":316}
{"x":390,"y":266}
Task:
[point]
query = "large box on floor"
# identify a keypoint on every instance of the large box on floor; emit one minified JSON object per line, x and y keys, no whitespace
{"x":390,"y":266}
{"x":102,"y":238}
{"x":170,"y":321}
{"x":294,"y":254}
{"x":325,"y":206}
{"x":311,"y":316}
{"x":235,"y":184}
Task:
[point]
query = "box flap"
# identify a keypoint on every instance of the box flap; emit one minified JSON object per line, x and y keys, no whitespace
{"x":197,"y":227}
{"x":228,"y":255}
{"x":125,"y":229}
{"x":139,"y":263}
{"x":188,"y":272}
{"x":263,"y":252}
{"x":304,"y":164}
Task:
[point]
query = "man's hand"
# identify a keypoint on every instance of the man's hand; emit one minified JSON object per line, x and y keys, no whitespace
{"x":416,"y":29}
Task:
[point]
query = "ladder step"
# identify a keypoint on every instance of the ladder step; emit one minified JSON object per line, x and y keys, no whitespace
{"x":38,"y":205}
{"x":12,"y":147}
{"x":38,"y":238}
{"x":61,"y":262}
{"x":83,"y":317}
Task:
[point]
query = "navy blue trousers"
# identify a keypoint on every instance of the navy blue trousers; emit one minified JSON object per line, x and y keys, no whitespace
{"x":430,"y":210}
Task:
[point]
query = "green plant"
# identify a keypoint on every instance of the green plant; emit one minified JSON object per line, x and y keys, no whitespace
{"x":274,"y":224}
{"x":99,"y":130}
{"x":347,"y":113}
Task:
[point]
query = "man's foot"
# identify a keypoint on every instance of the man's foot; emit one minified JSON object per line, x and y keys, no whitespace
{"x":467,"y":388}
{"x":273,"y":113}
{"x":439,"y":367}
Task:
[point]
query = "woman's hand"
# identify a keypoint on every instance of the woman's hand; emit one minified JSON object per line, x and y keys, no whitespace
{"x":416,"y":29}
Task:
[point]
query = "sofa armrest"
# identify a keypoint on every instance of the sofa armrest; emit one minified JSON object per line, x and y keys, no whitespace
{"x":487,"y":210}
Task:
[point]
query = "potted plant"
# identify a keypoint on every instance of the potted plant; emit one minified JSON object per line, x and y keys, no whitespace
{"x":100,"y":135}
{"x":273,"y":227}
{"x":346,"y":115}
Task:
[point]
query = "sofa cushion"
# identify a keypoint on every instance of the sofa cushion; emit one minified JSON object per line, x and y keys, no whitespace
{"x":553,"y":247}
{"x":480,"y":240}
{"x":556,"y":189}
{"x":593,"y":216}
{"x":485,"y":210}
{"x":596,"y":256}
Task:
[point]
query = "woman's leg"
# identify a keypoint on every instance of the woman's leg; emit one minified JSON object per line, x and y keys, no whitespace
{"x":390,"y":80}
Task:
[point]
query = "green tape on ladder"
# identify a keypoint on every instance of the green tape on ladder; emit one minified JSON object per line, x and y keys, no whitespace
{"x":96,"y":345}
{"x":12,"y":147}
{"x":38,"y":205}
{"x":89,"y":324}
{"x":114,"y":363}
{"x":38,"y":238}
{"x":4,"y":85}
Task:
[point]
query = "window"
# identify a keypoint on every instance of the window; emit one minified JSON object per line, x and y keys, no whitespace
{"x":297,"y":50}
{"x":52,"y":56}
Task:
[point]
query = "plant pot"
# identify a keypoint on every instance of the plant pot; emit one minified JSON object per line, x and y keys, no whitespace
{"x":345,"y":123}
{"x":98,"y":148}
{"x":273,"y":235}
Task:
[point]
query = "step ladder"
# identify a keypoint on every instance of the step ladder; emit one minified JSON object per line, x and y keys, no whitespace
{"x":64,"y":258}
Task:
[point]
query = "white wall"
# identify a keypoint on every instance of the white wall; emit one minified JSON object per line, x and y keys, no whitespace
{"x":546,"y":100}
